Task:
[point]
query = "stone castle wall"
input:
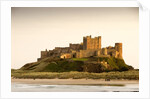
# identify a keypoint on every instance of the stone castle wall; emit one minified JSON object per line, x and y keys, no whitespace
{"x":86,"y":53}
{"x":115,"y":51}
{"x":66,"y":55}
{"x":90,"y":47}
{"x":76,"y":46}
{"x":62,"y":50}
{"x":44,"y":54}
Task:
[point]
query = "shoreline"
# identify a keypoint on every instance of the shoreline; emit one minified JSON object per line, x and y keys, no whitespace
{"x":74,"y":81}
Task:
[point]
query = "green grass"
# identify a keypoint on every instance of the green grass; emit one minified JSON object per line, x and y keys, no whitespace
{"x":64,"y":66}
{"x":116,"y":64}
{"x":91,"y":64}
{"x":130,"y":75}
{"x":80,"y":59}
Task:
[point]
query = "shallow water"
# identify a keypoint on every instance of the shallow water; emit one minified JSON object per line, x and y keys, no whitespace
{"x":16,"y":87}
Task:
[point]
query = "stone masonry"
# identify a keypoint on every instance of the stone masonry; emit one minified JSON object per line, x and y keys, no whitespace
{"x":90,"y":47}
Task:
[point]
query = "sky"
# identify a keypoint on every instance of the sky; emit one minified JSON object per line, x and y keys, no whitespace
{"x":34,"y":29}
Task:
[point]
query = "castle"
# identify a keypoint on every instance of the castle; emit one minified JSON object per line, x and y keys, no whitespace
{"x":89,"y":48}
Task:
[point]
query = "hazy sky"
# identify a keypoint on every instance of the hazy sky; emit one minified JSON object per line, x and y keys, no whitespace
{"x":37,"y":29}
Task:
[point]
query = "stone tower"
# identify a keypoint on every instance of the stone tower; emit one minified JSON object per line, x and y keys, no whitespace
{"x":118,"y":47}
{"x":44,"y":54}
{"x":91,"y":43}
{"x":104,"y":51}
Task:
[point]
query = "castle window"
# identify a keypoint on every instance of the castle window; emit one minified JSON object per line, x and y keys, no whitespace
{"x":74,"y":56}
{"x":110,"y":54}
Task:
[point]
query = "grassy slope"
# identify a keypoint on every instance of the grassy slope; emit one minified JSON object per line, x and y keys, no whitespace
{"x":64,"y":65}
{"x":50,"y":68}
{"x":117,"y":64}
{"x":76,"y":64}
{"x":80,"y":59}
{"x":54,"y":65}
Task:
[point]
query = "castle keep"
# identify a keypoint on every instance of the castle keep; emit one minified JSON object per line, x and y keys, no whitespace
{"x":89,"y":48}
{"x":91,"y":43}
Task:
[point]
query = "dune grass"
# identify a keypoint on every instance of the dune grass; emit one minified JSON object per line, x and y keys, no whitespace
{"x":130,"y":75}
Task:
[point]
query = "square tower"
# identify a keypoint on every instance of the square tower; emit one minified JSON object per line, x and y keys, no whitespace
{"x":118,"y":47}
{"x":91,"y":43}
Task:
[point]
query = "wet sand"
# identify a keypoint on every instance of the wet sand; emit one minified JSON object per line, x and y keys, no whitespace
{"x":73,"y":81}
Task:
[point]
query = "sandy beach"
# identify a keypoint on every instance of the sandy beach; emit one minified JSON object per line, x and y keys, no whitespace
{"x":73,"y":81}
